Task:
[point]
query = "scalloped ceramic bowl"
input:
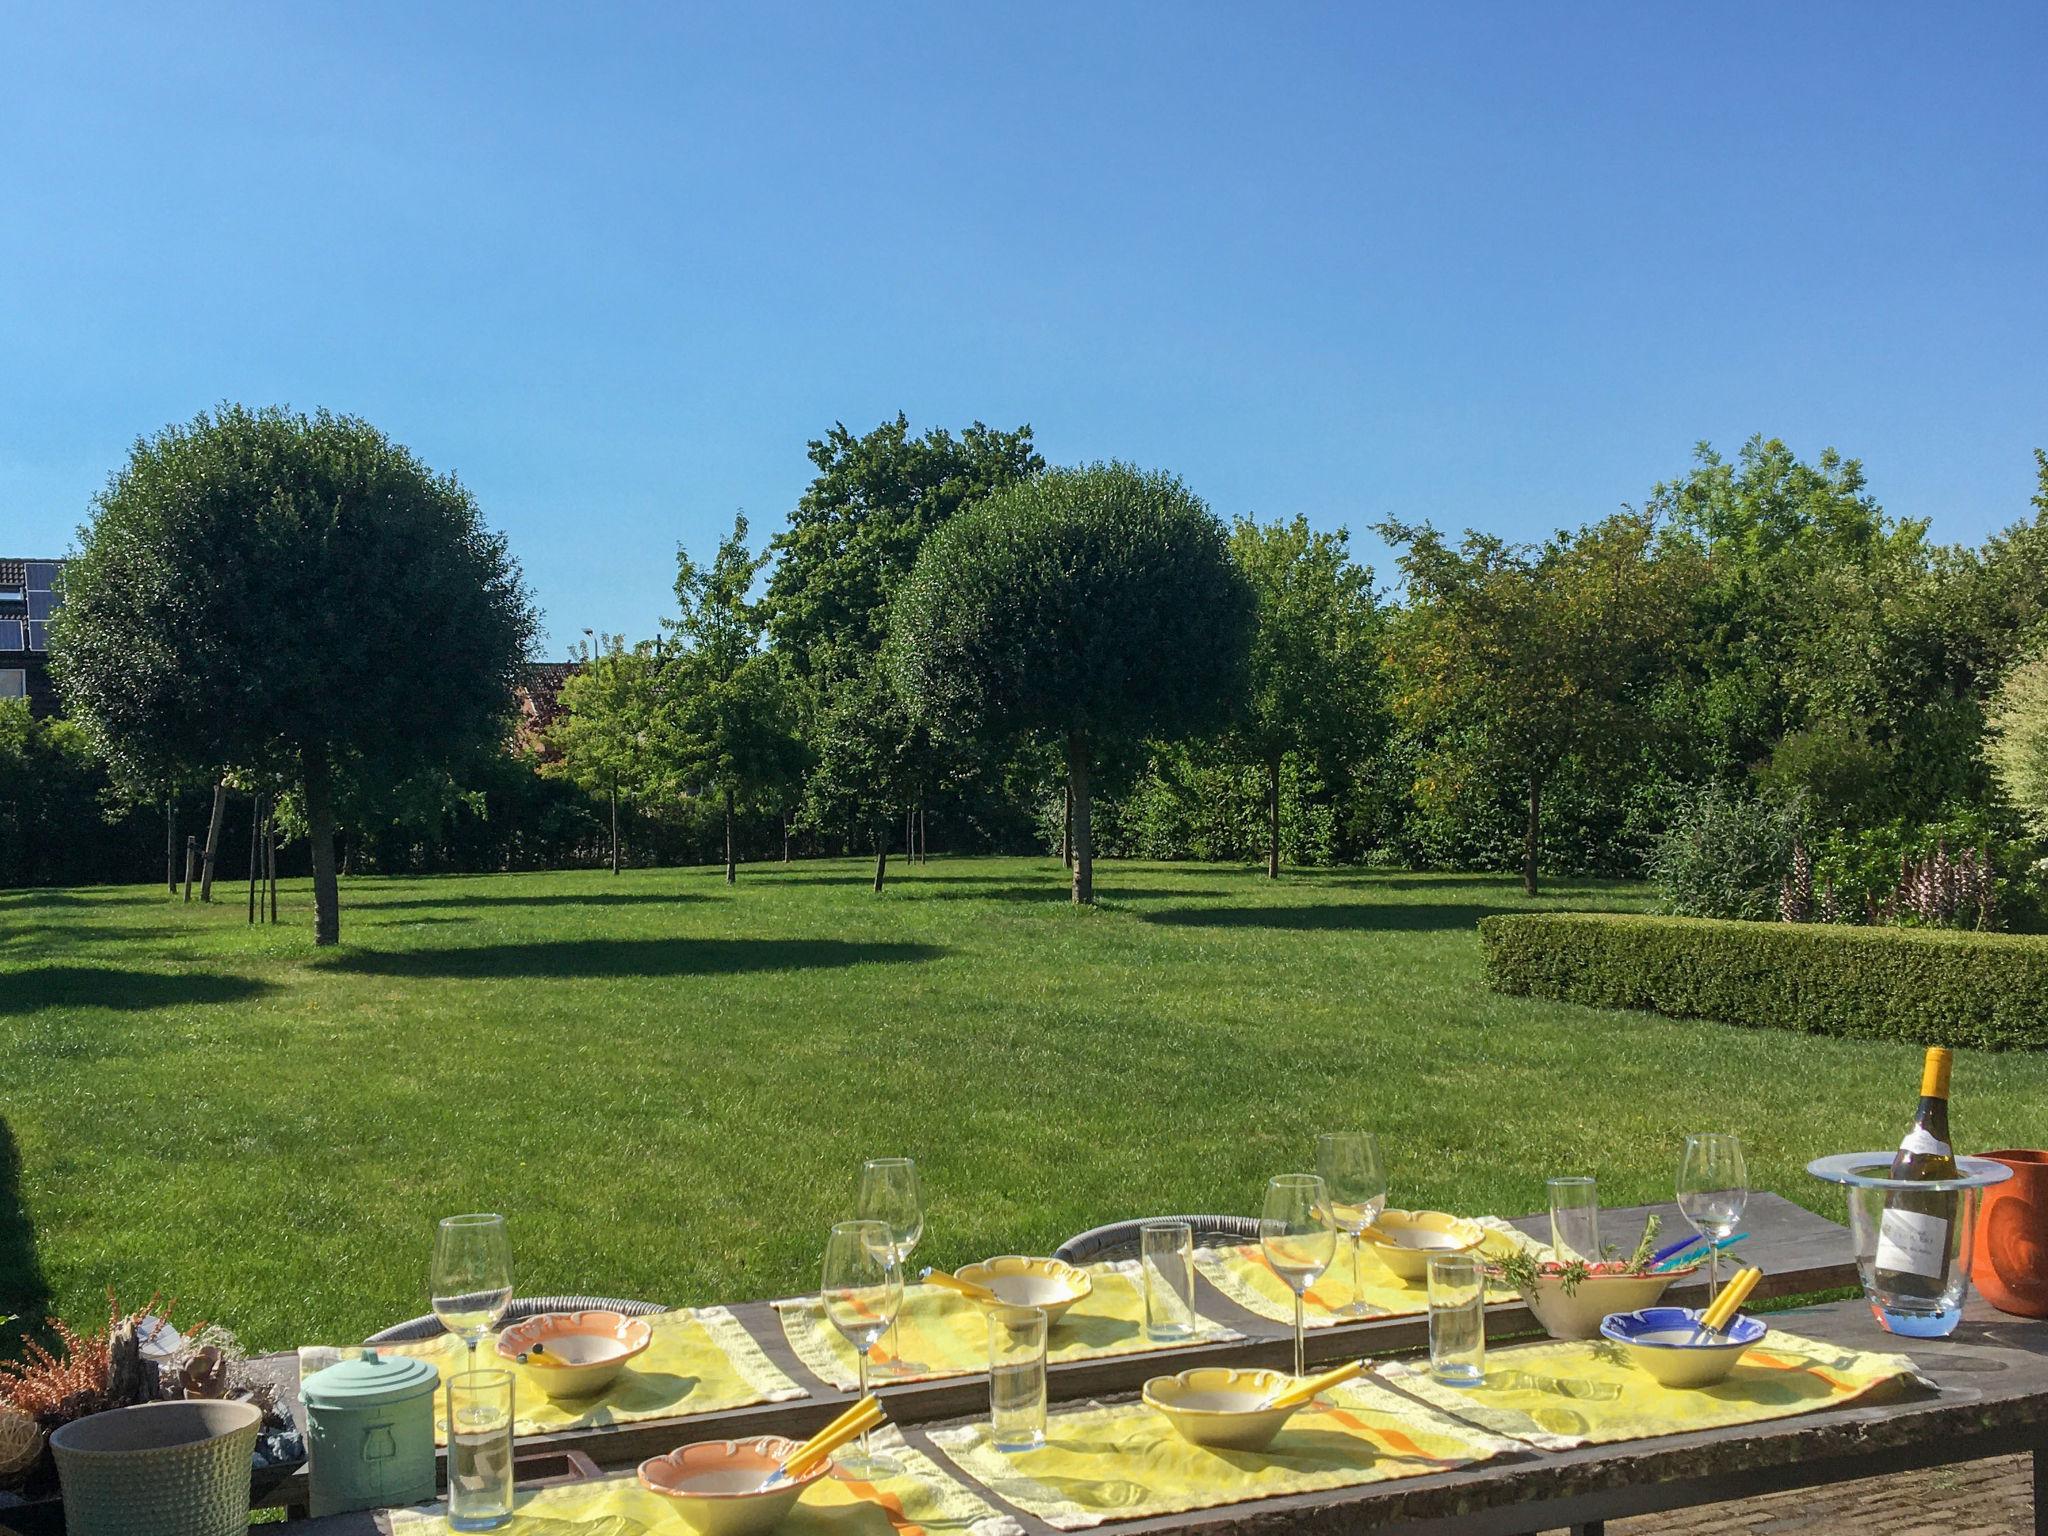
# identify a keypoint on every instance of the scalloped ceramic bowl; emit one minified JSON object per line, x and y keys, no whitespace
{"x":715,"y":1485}
{"x":1405,"y":1241}
{"x":574,"y":1354}
{"x":1218,"y":1406}
{"x":1051,"y":1285}
{"x":1578,"y":1314}
{"x":1659,"y":1339}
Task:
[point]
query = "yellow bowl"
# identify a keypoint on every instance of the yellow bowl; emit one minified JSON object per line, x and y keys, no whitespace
{"x":575,"y":1354}
{"x":715,"y":1485}
{"x":1218,"y":1406}
{"x":1051,"y":1285}
{"x":1405,"y":1241}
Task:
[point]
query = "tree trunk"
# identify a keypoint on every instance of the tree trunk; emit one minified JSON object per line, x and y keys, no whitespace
{"x":191,"y":861}
{"x":1531,"y":837}
{"x":171,"y":844}
{"x":786,"y":823}
{"x":922,"y":848}
{"x":1084,"y":856}
{"x":1067,"y":824}
{"x":270,"y":857}
{"x":255,"y":842}
{"x":881,"y":858}
{"x":615,"y":826}
{"x":732,"y":872}
{"x":320,"y":835}
{"x":220,"y":810}
{"x":1273,"y":817}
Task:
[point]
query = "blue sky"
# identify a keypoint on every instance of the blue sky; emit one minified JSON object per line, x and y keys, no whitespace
{"x":1491,"y":265}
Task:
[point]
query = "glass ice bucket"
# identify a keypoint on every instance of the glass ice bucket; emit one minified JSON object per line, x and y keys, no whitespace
{"x":1913,"y":1237}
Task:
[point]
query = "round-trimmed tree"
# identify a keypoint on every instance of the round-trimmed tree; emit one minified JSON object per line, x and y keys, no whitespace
{"x":1090,"y":605}
{"x":291,"y":598}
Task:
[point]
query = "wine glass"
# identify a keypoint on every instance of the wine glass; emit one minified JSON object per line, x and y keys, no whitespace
{"x":889,"y":1193}
{"x":1299,"y":1240}
{"x":863,"y":1290}
{"x":1349,"y":1162}
{"x":472,"y":1275}
{"x":1713,"y":1187}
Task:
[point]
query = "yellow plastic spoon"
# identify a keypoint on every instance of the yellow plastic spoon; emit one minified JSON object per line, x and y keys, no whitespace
{"x":1303,"y":1391}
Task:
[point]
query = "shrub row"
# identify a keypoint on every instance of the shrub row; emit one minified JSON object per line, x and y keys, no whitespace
{"x":1922,"y":985}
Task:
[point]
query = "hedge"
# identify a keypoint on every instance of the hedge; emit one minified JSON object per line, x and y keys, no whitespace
{"x":1927,"y":986}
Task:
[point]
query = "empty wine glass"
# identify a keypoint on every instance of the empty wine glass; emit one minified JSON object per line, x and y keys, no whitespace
{"x":1299,"y":1240}
{"x":889,"y":1193}
{"x":1349,"y":1163}
{"x":1713,"y":1187}
{"x":863,"y":1290}
{"x":472,"y":1275}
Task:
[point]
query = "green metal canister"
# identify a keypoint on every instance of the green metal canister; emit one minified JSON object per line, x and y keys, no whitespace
{"x":370,"y":1432}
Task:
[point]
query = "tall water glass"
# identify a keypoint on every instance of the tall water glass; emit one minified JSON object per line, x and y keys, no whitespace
{"x":862,"y":1292}
{"x":1457,"y":1319}
{"x":1016,"y":1377}
{"x":1349,"y":1162}
{"x":890,"y":1192}
{"x":479,"y":1450}
{"x":1713,"y":1187}
{"x":1299,"y":1240}
{"x":471,"y":1283}
{"x":1166,"y":1259}
{"x":1575,"y":1219}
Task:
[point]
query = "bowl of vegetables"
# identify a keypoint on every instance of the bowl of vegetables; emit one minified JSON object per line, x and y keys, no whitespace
{"x":1569,"y":1297}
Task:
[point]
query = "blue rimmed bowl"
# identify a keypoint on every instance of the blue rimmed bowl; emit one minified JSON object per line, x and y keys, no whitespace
{"x":1660,"y":1341}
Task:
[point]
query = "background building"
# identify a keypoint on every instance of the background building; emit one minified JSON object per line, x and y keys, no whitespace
{"x":30,"y":592}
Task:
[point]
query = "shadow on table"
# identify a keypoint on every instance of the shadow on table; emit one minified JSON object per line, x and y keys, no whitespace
{"x":24,"y":1294}
{"x":1390,"y":918}
{"x":94,"y":986}
{"x":630,"y":957}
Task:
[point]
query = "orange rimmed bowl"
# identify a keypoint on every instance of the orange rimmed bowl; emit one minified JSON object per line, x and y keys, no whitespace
{"x":1051,"y":1285}
{"x":575,"y":1354}
{"x":715,"y":1485}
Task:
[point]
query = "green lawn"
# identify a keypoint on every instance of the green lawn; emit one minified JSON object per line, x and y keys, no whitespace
{"x":669,"y":1085}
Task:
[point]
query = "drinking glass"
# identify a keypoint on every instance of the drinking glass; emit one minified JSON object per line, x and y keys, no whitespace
{"x":479,"y":1450}
{"x":1349,"y":1162}
{"x":1300,"y":1240}
{"x":863,"y":1291}
{"x":1016,"y":1377}
{"x":1713,"y":1187}
{"x":1166,"y":1256}
{"x":1575,"y":1219}
{"x":889,"y":1193}
{"x":472,"y":1277}
{"x":1457,"y":1319}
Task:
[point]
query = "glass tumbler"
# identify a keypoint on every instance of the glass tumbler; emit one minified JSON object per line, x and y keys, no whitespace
{"x":1457,"y":1319}
{"x":1167,"y":1257}
{"x":1016,"y":1377}
{"x":1575,"y":1219}
{"x":479,"y":1450}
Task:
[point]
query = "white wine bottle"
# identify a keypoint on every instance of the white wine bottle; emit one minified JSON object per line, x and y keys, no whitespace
{"x":1915,"y":1235}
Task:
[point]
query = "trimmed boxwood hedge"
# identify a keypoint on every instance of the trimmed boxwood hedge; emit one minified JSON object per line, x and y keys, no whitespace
{"x":1922,"y":985}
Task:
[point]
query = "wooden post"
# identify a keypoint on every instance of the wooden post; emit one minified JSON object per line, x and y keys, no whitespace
{"x":171,"y":843}
{"x":191,"y":864}
{"x":271,"y":861}
{"x":1067,"y":824}
{"x":255,"y":834}
{"x":220,"y":810}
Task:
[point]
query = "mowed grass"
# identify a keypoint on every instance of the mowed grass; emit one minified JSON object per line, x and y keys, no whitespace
{"x":669,"y":1085}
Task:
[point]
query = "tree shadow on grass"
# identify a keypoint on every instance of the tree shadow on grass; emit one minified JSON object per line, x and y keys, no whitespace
{"x":630,"y":957}
{"x":96,"y":986}
{"x":1056,"y":891}
{"x":24,"y":1293}
{"x":1349,"y":918}
{"x":561,"y":899}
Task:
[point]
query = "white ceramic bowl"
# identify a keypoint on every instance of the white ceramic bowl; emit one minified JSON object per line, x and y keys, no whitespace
{"x":1218,"y":1406}
{"x":1051,"y":1285}
{"x":715,"y":1485}
{"x":575,"y":1354}
{"x":1659,"y":1340}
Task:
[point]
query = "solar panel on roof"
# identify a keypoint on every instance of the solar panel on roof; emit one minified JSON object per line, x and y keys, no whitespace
{"x":42,"y":575}
{"x":10,"y":634}
{"x":38,"y":636}
{"x":41,"y":604}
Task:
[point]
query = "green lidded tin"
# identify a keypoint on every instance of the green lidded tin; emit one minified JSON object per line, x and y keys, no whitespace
{"x":370,"y":1432}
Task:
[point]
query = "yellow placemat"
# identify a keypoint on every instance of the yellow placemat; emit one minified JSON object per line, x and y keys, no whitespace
{"x":700,"y":1361}
{"x":918,"y":1500}
{"x":1586,"y":1392}
{"x":1242,"y":1273}
{"x":940,"y":1333}
{"x":1126,"y":1462}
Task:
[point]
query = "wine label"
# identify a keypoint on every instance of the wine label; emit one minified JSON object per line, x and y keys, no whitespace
{"x":1920,"y":1140}
{"x":1912,"y":1243}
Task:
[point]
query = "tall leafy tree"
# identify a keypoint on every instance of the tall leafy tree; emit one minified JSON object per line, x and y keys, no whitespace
{"x":726,"y":727}
{"x":1315,"y":657}
{"x":607,"y":718}
{"x":1093,"y":606}
{"x":289,"y":597}
{"x":871,"y":759}
{"x":1521,"y":659}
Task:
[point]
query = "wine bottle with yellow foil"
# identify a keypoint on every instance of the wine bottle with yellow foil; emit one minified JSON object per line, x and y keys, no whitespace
{"x":1916,"y":1235}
